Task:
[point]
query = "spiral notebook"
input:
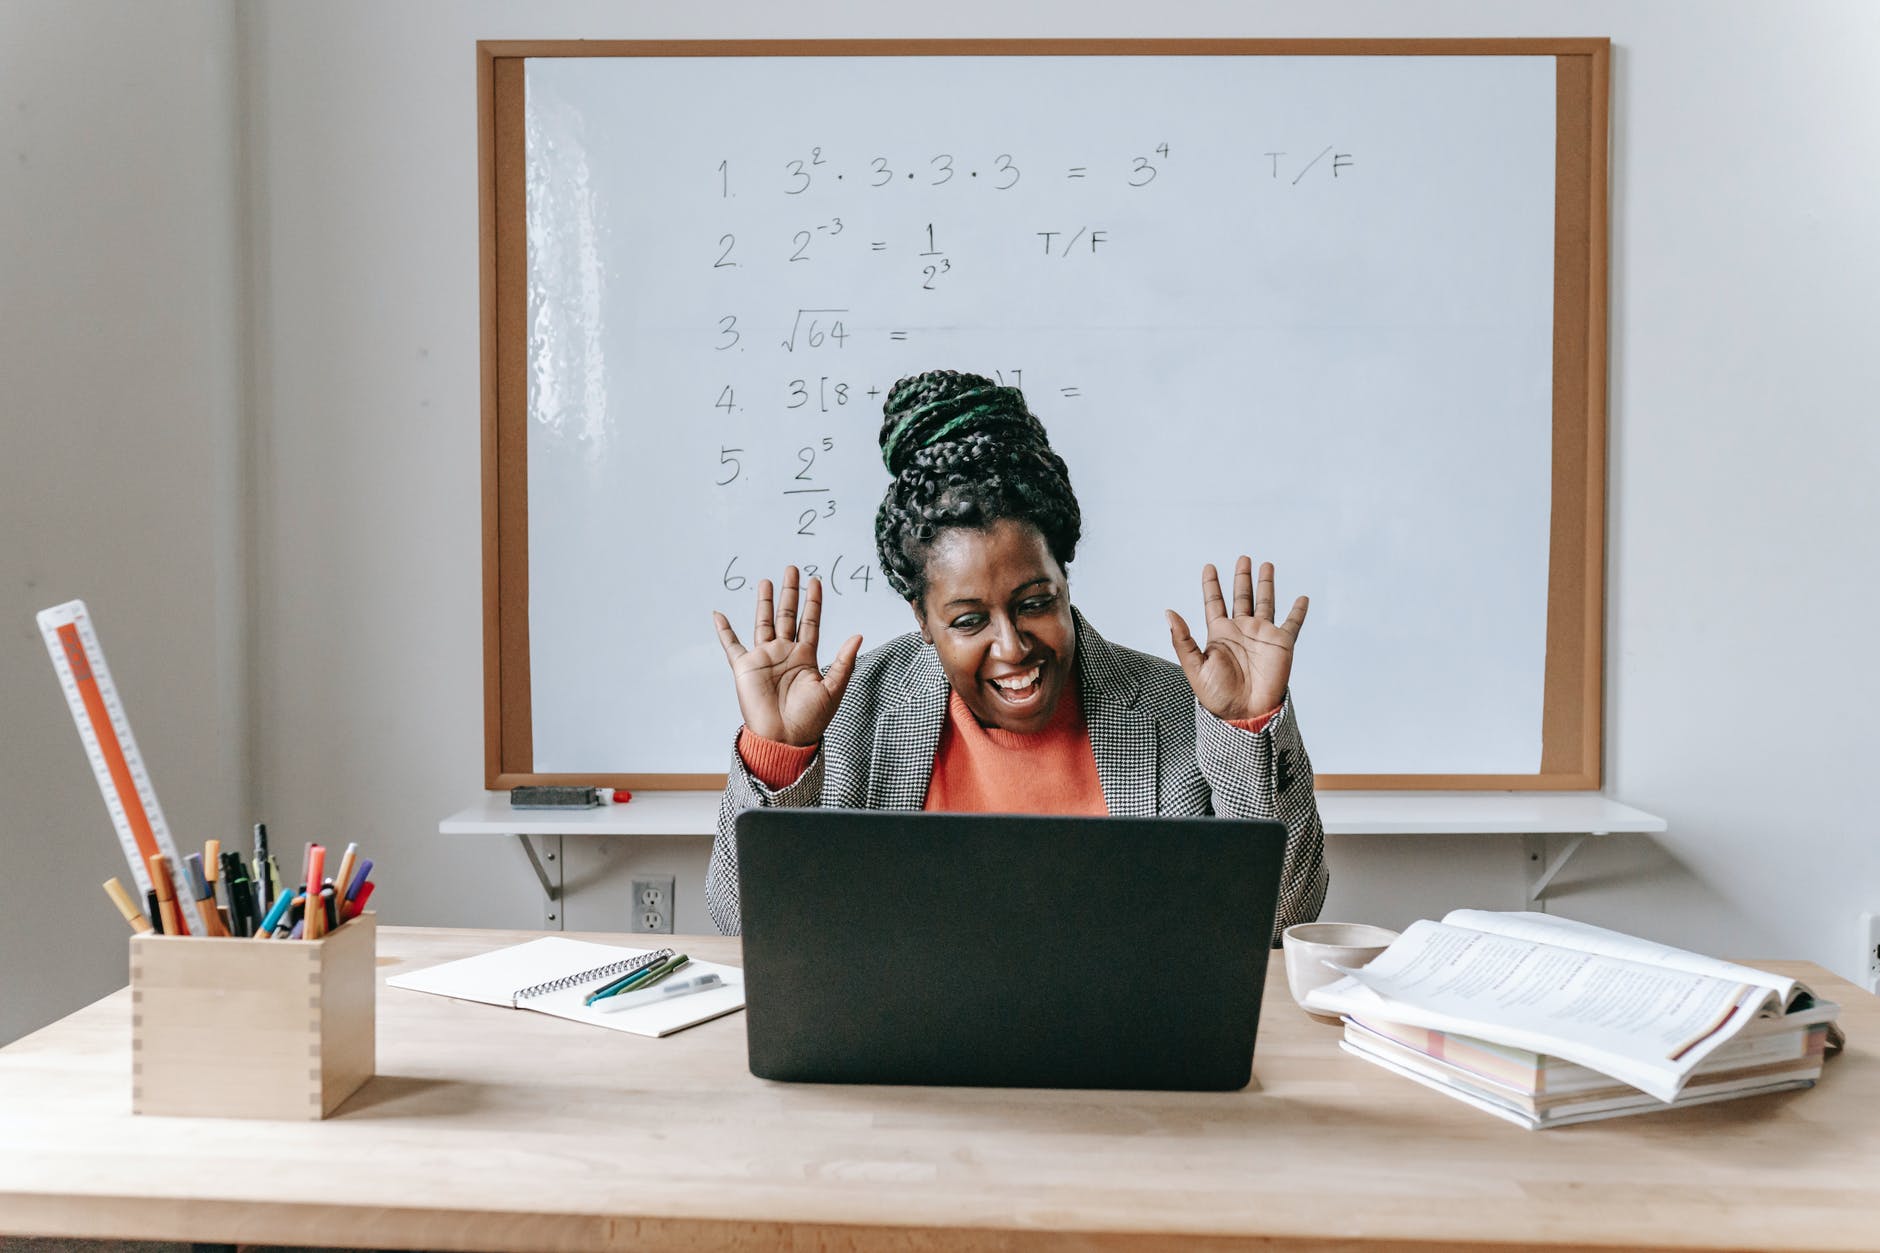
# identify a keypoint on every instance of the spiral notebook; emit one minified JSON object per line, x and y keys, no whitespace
{"x":554,"y":976}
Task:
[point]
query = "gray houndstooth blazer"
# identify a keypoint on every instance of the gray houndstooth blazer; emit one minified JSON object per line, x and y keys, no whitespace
{"x":1158,"y":753}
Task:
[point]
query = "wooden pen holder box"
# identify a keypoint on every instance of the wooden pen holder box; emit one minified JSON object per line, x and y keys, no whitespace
{"x":253,"y":1028}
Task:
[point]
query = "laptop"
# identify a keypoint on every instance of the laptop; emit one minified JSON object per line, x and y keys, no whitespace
{"x":1005,"y":951}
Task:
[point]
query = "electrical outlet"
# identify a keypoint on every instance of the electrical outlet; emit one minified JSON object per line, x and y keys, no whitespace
{"x":1870,"y":948}
{"x":652,"y":904}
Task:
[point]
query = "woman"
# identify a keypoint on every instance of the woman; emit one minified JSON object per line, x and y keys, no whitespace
{"x":1007,"y":700}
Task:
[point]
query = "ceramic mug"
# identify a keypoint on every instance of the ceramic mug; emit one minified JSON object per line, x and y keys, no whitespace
{"x":1310,"y":945}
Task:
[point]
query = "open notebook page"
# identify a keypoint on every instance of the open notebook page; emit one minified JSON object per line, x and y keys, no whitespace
{"x":495,"y":977}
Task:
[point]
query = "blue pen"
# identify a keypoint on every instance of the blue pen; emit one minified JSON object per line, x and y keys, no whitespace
{"x":641,"y":979}
{"x":273,"y":919}
{"x":359,"y":878}
{"x":655,"y":960}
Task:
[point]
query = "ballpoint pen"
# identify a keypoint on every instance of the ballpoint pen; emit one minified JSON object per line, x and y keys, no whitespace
{"x":663,"y":993}
{"x":654,"y":960}
{"x":643,"y":979}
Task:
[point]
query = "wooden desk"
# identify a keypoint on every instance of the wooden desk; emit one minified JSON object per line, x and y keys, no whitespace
{"x":501,"y":1129}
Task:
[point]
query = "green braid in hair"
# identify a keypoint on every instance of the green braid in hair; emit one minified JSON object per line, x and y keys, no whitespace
{"x":965,"y":451}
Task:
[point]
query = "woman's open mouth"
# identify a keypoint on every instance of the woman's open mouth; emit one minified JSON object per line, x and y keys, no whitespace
{"x":1020,"y":690}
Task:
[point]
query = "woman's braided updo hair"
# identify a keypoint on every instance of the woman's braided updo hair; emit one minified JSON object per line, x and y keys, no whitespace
{"x":965,"y":451}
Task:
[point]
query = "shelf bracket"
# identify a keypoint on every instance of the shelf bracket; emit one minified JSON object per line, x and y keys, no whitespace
{"x":549,"y":875}
{"x":1537,"y":852}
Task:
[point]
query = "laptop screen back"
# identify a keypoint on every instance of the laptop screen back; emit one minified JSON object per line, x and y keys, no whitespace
{"x":972,"y":949}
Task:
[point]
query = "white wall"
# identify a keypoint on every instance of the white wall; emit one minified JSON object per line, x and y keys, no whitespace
{"x":1745,"y":282}
{"x":121,"y":479}
{"x":1743,"y":268}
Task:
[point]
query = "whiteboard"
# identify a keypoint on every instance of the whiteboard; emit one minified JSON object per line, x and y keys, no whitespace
{"x":1297,"y":307}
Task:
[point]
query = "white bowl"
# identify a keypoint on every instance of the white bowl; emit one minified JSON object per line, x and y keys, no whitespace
{"x":1311,"y":945}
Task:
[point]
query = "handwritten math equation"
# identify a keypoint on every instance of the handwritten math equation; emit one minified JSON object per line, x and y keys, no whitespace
{"x":795,"y":395}
{"x":807,"y":497}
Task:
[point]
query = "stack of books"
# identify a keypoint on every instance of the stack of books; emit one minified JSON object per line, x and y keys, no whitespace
{"x":1545,"y":1022}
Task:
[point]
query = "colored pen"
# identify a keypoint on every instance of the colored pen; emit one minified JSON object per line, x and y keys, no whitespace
{"x":241,"y":900}
{"x":655,"y":996}
{"x":329,"y":909}
{"x":347,"y":860}
{"x":634,"y":977}
{"x":296,"y":909}
{"x":358,"y":904}
{"x":652,"y":961}
{"x":315,"y":917}
{"x":643,"y":979}
{"x":264,"y":897}
{"x":360,"y":874}
{"x":251,"y":906}
{"x":273,"y":919}
{"x":151,"y":911}
{"x":204,"y":896}
{"x":166,"y":895}
{"x":126,"y":906}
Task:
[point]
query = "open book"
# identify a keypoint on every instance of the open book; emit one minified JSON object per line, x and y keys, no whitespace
{"x":553,"y":975}
{"x":1644,"y":1013}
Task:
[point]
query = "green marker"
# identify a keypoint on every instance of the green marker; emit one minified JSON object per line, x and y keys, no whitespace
{"x":637,"y":978}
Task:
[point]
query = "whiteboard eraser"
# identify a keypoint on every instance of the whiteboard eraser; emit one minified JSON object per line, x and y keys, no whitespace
{"x":553,"y":798}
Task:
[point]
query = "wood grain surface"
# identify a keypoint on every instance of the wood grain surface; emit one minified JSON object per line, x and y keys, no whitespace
{"x":488,"y":1128}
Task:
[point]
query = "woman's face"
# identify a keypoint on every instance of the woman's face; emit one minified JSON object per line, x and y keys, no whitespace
{"x":998,"y":611}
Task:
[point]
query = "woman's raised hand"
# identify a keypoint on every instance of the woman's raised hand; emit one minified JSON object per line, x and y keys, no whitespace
{"x":1242,"y":672}
{"x":782,"y":691}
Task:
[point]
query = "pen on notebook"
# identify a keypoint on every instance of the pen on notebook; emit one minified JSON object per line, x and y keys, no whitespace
{"x":663,"y":993}
{"x":126,"y":906}
{"x":633,"y":978}
{"x":647,"y":962}
{"x":660,"y":975}
{"x":640,"y":980}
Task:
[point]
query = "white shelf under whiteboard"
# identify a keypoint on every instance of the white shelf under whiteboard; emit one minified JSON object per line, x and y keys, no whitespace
{"x":1534,"y":815}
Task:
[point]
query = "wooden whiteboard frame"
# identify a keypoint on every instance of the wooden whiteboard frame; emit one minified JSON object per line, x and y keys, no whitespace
{"x":1571,"y":707}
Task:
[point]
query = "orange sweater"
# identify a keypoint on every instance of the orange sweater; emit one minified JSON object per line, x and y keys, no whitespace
{"x":983,"y":769}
